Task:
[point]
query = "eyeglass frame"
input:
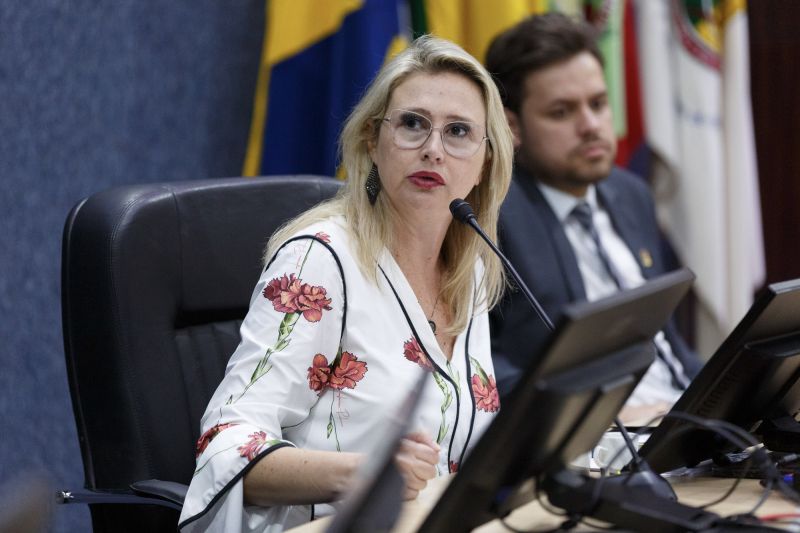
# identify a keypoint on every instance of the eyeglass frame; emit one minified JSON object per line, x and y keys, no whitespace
{"x":441,"y":133}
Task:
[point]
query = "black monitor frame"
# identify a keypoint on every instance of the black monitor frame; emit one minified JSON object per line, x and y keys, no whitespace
{"x":375,"y":501}
{"x":753,"y":381}
{"x":563,"y":403}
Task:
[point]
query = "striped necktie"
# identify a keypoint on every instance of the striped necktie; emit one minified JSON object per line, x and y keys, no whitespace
{"x":582,"y":213}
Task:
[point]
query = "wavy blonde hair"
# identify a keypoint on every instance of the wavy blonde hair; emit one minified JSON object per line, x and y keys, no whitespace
{"x":371,"y":226}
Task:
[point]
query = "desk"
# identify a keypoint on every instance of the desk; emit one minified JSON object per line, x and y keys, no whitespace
{"x":691,"y":491}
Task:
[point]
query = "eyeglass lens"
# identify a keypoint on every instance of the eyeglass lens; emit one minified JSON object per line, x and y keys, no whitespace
{"x":411,"y":130}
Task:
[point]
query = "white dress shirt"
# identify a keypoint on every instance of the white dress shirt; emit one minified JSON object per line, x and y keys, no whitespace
{"x":657,"y":384}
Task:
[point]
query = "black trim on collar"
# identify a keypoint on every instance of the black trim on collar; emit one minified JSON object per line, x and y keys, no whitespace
{"x":263,"y":454}
{"x":436,"y":367}
{"x":338,"y":264}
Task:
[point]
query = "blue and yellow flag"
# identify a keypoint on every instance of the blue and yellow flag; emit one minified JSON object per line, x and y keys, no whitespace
{"x":318,"y":58}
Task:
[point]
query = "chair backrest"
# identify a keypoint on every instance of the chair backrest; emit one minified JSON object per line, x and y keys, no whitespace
{"x":156,"y":280}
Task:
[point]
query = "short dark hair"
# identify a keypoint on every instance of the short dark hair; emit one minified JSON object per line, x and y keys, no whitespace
{"x":533,"y":44}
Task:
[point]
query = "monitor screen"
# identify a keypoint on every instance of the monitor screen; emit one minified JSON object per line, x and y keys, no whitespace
{"x":564,"y":402}
{"x":751,"y":381}
{"x":375,"y":501}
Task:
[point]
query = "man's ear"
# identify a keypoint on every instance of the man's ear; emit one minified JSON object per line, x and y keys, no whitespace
{"x":514,"y":123}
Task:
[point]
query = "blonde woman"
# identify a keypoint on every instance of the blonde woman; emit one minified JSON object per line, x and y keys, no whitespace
{"x":358,"y":294}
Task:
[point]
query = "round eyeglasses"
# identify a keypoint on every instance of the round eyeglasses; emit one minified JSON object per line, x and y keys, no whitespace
{"x":411,"y":130}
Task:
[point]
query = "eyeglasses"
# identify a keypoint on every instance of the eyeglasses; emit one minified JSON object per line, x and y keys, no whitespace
{"x":411,"y":130}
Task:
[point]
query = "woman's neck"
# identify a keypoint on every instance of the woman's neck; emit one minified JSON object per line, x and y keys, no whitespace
{"x":417,"y":251}
{"x":419,"y":257}
{"x":417,"y":241}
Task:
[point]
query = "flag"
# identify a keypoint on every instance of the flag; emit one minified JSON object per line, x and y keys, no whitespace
{"x":698,"y":122}
{"x":472,"y":24}
{"x":319,"y":57}
{"x":317,"y":60}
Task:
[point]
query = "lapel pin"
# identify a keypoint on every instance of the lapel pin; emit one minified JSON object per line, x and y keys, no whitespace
{"x":645,"y":258}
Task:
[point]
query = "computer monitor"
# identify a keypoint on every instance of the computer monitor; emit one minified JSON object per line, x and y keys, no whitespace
{"x":375,"y":500}
{"x":751,"y":381}
{"x":563,"y":403}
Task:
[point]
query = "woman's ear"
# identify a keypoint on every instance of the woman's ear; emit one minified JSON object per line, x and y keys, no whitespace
{"x":372,"y":138}
{"x":487,"y":164}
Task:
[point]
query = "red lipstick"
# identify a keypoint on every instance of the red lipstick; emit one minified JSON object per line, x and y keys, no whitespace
{"x":426,"y":179}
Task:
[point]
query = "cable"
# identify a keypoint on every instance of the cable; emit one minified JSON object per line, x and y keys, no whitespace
{"x":565,"y":526}
{"x":745,"y":441}
{"x":736,"y":436}
{"x":570,"y":523}
{"x":764,"y":495}
{"x":724,"y":497}
{"x":546,"y":506}
{"x":637,"y":459}
{"x":597,"y":525}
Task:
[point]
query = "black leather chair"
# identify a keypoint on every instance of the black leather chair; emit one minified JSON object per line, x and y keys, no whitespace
{"x":156,"y":279}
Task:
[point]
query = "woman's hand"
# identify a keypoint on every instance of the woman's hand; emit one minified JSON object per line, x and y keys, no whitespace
{"x":416,"y":459}
{"x":642,"y":414}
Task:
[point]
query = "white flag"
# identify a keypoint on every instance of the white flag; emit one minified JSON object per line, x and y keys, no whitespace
{"x":698,"y":121}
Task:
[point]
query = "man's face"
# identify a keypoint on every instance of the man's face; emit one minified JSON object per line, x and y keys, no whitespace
{"x":564,"y":133}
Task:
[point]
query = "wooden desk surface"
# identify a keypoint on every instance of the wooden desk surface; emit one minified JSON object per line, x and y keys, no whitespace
{"x":691,"y":491}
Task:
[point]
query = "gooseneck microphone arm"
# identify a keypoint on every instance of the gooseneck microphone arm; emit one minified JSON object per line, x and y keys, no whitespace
{"x":462,"y":212}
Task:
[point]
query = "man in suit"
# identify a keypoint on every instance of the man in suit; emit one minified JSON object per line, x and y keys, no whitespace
{"x":575,"y":226}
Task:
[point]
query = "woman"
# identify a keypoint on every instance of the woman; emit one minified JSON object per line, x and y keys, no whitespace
{"x":359,"y":293}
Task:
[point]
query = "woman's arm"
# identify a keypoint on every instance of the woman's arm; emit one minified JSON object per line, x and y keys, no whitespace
{"x":293,"y":476}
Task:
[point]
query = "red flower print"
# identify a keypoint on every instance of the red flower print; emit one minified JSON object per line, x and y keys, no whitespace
{"x":253,"y":447}
{"x":319,"y":373}
{"x":275,"y":291}
{"x":453,"y":467}
{"x":289,"y":295}
{"x":349,"y":371}
{"x":485,"y":393}
{"x":206,"y":438}
{"x":311,"y":302}
{"x":413,"y":352}
{"x":321,"y":235}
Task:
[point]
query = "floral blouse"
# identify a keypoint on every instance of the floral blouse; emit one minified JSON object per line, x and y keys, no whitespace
{"x":325,"y":355}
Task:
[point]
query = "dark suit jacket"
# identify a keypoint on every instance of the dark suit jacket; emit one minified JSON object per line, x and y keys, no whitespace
{"x":535,"y":243}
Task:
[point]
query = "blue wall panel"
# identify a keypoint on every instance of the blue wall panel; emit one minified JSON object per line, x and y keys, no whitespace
{"x":95,"y":94}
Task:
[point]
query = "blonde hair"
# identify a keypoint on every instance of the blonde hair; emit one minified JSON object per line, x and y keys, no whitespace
{"x":370,"y":226}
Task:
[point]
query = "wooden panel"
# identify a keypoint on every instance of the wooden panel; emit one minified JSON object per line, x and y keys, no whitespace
{"x":775,"y":73}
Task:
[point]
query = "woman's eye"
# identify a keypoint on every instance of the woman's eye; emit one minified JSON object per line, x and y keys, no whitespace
{"x":458,"y":129}
{"x":413,"y":122}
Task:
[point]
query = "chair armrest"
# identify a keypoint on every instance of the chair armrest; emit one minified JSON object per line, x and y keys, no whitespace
{"x":149,"y":492}
{"x":167,"y":490}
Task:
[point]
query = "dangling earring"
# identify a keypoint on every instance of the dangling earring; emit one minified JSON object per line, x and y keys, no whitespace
{"x":373,"y":184}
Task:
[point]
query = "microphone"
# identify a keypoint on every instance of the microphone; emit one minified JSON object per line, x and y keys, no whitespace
{"x":641,"y":474}
{"x":462,"y":212}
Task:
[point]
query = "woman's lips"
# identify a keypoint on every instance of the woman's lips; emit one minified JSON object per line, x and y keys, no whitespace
{"x":426,"y":180}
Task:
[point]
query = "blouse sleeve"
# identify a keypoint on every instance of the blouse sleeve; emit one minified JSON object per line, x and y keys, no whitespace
{"x":271,"y":382}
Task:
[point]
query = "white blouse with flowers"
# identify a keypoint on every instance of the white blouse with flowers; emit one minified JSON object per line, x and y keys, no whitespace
{"x":325,"y":355}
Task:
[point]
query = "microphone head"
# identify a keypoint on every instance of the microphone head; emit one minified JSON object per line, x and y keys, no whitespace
{"x":462,"y":211}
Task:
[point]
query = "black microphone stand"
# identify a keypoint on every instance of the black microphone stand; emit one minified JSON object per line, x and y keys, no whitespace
{"x":641,"y":476}
{"x":462,"y":212}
